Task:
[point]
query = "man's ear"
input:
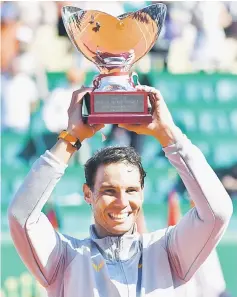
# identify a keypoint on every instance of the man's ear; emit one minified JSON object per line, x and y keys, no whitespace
{"x":87,"y":194}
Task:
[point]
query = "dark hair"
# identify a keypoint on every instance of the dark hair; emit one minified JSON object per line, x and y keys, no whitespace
{"x":111,"y":155}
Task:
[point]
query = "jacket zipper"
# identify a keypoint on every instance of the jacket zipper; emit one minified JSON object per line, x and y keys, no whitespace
{"x":121,"y":266}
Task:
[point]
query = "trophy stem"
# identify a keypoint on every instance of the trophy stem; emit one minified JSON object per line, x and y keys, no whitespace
{"x":114,"y":74}
{"x":116,"y":81}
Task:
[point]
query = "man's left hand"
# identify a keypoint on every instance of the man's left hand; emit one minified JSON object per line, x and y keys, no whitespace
{"x":162,"y":126}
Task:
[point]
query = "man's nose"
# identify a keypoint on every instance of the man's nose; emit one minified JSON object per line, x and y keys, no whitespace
{"x":122,"y":199}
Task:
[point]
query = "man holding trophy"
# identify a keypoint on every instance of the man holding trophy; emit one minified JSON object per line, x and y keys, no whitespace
{"x":115,"y":260}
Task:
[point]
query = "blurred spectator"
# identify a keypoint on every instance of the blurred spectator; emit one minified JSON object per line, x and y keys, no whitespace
{"x":19,"y":99}
{"x":56,"y":105}
{"x":54,"y":113}
{"x":37,"y":13}
{"x":9,"y":28}
{"x":210,"y":35}
{"x":228,"y":177}
{"x":230,"y":24}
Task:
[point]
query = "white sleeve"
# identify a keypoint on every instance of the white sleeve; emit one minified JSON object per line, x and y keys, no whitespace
{"x":191,"y":241}
{"x":41,"y":248}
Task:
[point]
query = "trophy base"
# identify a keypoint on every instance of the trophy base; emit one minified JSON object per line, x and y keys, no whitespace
{"x":119,"y":118}
{"x":116,"y":108}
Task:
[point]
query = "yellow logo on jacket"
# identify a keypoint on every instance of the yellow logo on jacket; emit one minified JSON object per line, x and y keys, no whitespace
{"x":99,"y":266}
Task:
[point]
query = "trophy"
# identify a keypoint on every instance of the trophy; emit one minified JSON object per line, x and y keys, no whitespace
{"x":114,"y":44}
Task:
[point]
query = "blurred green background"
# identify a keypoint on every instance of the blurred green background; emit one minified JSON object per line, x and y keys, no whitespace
{"x":193,"y":64}
{"x":216,"y":141}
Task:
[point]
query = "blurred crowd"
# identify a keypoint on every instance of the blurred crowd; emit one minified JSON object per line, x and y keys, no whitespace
{"x":40,"y":68}
{"x":197,"y":36}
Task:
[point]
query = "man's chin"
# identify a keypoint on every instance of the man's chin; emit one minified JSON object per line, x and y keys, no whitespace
{"x":108,"y":228}
{"x":121,"y":230}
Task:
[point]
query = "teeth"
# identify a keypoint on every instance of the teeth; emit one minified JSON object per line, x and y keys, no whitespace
{"x":119,"y":216}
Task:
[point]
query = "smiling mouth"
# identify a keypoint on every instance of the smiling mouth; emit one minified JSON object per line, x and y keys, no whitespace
{"x":119,"y":217}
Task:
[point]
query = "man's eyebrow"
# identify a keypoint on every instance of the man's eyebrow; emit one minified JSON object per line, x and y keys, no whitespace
{"x":114,"y":187}
{"x":134,"y":187}
{"x":107,"y":186}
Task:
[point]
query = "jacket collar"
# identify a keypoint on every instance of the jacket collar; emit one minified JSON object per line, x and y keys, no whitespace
{"x":118,"y":248}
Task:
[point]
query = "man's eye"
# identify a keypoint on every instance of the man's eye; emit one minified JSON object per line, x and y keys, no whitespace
{"x":131,"y":190}
{"x":109,"y":191}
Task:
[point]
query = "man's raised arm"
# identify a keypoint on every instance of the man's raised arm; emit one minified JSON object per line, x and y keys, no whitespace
{"x":40,"y":247}
{"x":190,"y":242}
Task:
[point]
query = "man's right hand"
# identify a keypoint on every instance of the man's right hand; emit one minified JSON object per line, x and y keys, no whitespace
{"x":76,"y":127}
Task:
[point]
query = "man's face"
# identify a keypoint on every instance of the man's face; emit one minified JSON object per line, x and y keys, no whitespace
{"x":117,"y":198}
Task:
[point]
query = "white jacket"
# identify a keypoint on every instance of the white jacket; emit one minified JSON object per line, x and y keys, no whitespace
{"x":156,"y":264}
